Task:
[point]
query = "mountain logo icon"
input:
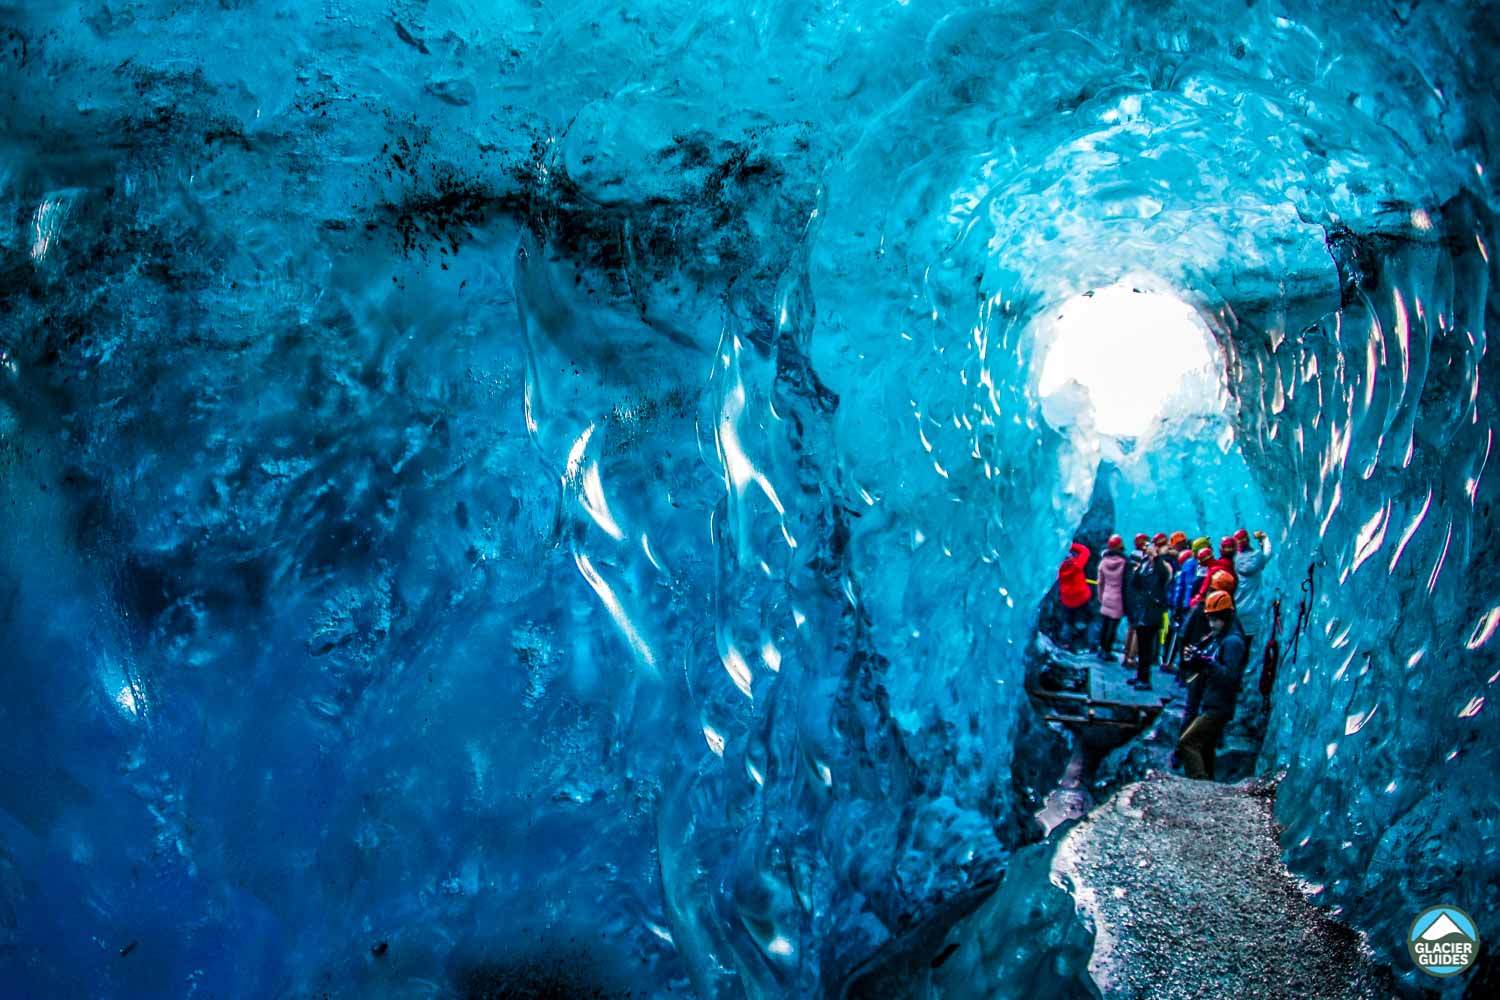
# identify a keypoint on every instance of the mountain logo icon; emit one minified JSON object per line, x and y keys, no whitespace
{"x":1441,"y":928}
{"x":1443,"y":941}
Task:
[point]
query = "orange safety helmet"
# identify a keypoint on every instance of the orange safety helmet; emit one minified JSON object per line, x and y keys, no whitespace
{"x":1223,"y":580}
{"x":1179,"y":538}
{"x":1219,"y":602}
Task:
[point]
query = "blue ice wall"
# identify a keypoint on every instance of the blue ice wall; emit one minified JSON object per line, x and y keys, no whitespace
{"x":553,"y":493}
{"x":1380,"y":425}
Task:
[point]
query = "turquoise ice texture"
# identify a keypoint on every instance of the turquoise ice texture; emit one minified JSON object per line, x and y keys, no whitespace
{"x":555,"y":492}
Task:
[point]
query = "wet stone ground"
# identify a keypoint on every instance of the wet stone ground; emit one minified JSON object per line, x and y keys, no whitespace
{"x":1186,"y":888}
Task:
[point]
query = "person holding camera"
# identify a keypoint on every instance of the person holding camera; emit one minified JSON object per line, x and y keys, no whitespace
{"x":1216,"y":669}
{"x":1249,"y":563}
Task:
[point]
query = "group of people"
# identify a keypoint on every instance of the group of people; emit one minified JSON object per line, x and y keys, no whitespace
{"x":1184,"y":603}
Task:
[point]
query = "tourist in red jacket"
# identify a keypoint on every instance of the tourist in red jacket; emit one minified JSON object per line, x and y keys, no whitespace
{"x":1074,"y":593}
{"x":1229,"y":547}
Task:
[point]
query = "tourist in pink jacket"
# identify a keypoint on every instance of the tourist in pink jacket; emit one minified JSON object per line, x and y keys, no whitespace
{"x":1112,"y":566}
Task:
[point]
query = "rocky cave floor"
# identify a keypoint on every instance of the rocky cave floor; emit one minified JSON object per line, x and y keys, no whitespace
{"x":1185,"y":888}
{"x":1189,"y":897}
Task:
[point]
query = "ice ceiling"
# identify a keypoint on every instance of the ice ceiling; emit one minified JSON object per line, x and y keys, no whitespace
{"x":558,"y":490}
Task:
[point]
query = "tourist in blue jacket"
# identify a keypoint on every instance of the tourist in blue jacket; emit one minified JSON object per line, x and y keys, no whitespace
{"x":1179,"y":600}
{"x":1184,"y":584}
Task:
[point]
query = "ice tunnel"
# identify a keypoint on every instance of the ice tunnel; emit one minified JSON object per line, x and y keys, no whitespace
{"x":563,"y":498}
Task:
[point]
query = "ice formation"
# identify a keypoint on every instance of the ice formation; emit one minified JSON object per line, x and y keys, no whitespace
{"x":554,"y":492}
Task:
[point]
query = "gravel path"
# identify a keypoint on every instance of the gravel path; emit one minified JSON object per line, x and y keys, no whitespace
{"x":1189,"y":897}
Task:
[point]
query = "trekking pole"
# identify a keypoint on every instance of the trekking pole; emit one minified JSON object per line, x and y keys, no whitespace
{"x":1272,"y":656}
{"x":1304,"y":611}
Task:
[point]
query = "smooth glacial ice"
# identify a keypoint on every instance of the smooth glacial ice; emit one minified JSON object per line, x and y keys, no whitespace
{"x":555,"y":495}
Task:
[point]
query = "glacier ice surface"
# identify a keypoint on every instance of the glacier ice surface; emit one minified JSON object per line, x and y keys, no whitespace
{"x":557,"y":493}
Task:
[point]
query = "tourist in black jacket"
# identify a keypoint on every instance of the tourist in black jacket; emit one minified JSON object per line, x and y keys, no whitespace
{"x":1148,"y":587}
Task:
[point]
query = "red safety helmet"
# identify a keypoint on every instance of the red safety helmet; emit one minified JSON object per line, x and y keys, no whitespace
{"x":1242,"y":536}
{"x":1205,"y":555}
{"x":1115,"y":543}
{"x":1159,"y":539}
{"x":1184,"y":557}
{"x":1141,"y":540}
{"x":1228,"y":546}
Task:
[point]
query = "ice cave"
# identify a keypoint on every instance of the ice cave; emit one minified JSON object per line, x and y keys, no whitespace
{"x":564,"y":498}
